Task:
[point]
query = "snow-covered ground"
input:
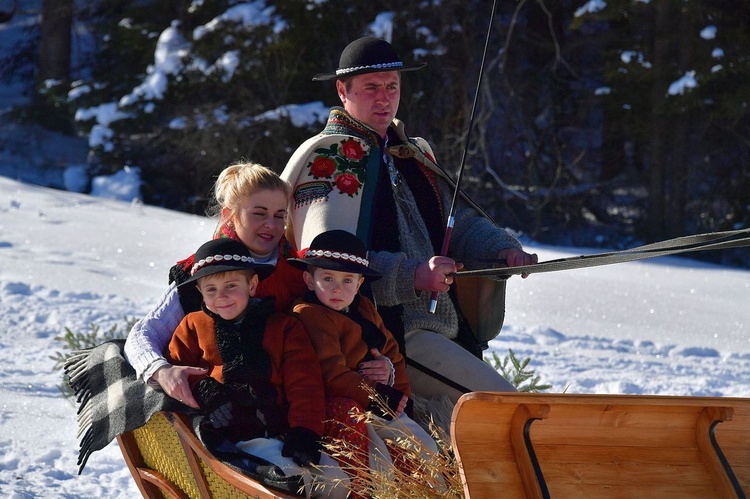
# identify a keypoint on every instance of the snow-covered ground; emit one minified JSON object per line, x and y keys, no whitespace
{"x":664,"y":326}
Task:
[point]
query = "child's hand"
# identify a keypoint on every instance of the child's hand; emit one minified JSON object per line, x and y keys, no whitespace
{"x":402,"y":405}
{"x":379,"y":369}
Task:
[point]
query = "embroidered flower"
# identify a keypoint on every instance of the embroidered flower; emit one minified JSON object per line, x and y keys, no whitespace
{"x":322,"y":166}
{"x":347,"y":184}
{"x":344,"y":163}
{"x":352,"y":149}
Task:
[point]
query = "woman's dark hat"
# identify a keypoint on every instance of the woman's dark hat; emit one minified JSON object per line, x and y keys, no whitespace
{"x":367,"y":55}
{"x":337,"y":250}
{"x":225,"y":255}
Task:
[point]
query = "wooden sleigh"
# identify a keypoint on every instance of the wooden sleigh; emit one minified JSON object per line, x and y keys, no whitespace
{"x":602,"y":446}
{"x":517,"y":445}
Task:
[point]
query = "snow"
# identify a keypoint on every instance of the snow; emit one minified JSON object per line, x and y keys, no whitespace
{"x":664,"y":326}
{"x":682,"y":84}
{"x":670,"y":326}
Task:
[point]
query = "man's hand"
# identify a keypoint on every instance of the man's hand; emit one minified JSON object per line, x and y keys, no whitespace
{"x":174,"y":381}
{"x":434,"y":274}
{"x":515,"y":257}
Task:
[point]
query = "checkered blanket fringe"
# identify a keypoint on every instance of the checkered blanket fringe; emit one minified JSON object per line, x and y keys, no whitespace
{"x":112,"y":400}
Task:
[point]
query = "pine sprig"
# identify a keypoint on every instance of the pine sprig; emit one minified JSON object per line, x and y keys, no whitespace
{"x":72,"y":341}
{"x":516,"y":372}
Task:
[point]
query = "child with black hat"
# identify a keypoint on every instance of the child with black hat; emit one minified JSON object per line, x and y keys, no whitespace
{"x":262,"y":389}
{"x":347,"y":331}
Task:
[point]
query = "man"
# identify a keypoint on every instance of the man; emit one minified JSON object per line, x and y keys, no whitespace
{"x":363,"y":174}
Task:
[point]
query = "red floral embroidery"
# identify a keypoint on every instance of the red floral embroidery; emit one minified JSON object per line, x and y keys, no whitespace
{"x":343,"y":161}
{"x":322,"y":166}
{"x":347,"y":183}
{"x":352,"y":149}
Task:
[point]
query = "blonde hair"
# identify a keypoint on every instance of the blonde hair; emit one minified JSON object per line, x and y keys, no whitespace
{"x":242,"y":179}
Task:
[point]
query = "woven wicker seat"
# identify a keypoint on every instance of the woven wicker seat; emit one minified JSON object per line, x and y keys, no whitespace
{"x":166,"y":459}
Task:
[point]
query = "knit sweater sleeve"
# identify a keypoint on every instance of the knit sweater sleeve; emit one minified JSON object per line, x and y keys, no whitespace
{"x":475,"y":236}
{"x":150,"y":336}
{"x":397,"y":284}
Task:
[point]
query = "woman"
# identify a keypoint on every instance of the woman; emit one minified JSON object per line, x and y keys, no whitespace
{"x":251,"y":202}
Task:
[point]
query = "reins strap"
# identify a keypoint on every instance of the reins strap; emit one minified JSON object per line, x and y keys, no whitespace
{"x":436,"y":375}
{"x":684,"y":244}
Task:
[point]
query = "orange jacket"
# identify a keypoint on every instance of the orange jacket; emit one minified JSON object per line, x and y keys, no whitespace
{"x":337,"y":339}
{"x":295,"y":369}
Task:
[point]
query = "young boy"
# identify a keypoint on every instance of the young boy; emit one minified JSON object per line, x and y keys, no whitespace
{"x":347,"y":331}
{"x":263,"y":388}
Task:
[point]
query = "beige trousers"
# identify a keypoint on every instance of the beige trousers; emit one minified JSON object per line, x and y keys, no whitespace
{"x":449,"y":359}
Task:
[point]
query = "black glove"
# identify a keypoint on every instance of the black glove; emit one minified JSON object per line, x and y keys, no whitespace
{"x":214,"y":400}
{"x":391,"y":397}
{"x":302,"y":445}
{"x":220,"y":417}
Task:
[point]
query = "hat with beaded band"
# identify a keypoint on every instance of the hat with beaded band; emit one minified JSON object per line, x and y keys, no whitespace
{"x":367,"y":55}
{"x":225,"y":255}
{"x":337,"y":250}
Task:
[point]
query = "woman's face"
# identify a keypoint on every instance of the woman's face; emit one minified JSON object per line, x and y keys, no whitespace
{"x":261,"y":219}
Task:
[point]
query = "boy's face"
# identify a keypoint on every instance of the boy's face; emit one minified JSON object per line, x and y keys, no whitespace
{"x":227,"y":294}
{"x":334,"y":289}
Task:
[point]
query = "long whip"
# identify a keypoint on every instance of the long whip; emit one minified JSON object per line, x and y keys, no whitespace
{"x":452,"y":212}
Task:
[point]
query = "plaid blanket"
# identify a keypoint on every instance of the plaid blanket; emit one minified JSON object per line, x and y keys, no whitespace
{"x":112,"y":399}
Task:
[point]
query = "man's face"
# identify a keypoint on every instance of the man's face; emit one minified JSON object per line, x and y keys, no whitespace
{"x":372,"y":98}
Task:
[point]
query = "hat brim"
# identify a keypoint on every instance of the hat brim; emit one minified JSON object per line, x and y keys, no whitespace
{"x":336,"y":76}
{"x":261,"y":270}
{"x":337,"y":265}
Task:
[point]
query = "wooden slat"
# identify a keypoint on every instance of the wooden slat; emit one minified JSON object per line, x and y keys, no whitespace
{"x":623,"y":474}
{"x":608,"y":454}
{"x":603,"y":445}
{"x":169,"y":489}
{"x":633,"y":491}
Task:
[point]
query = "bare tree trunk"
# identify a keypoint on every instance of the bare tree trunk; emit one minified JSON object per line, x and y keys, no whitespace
{"x":657,"y":217}
{"x":54,"y":43}
{"x":678,"y":159}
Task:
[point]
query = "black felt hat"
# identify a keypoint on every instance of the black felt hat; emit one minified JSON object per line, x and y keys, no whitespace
{"x":225,"y":255}
{"x":367,"y":55}
{"x":337,"y":250}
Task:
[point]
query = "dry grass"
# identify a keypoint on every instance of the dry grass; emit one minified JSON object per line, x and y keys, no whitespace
{"x":427,"y":474}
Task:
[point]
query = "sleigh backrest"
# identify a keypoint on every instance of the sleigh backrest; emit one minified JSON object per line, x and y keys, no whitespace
{"x":597,"y":446}
{"x":166,"y":459}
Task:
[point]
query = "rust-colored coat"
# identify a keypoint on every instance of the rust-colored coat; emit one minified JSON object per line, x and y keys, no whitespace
{"x":337,"y":339}
{"x":295,"y":368}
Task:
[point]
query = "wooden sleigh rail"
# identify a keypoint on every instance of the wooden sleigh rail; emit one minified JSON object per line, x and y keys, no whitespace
{"x":518,"y":445}
{"x":166,"y":459}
